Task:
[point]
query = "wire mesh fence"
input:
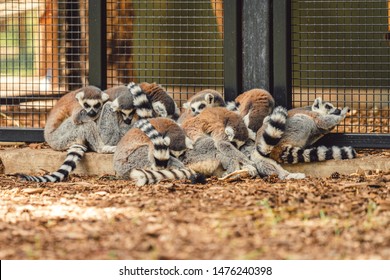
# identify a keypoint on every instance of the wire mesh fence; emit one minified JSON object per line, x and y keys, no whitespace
{"x":44,"y":50}
{"x":43,"y":55}
{"x":340,"y":51}
{"x":178,"y":44}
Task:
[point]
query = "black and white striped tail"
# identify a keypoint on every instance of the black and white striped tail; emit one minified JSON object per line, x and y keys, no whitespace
{"x":321,"y":153}
{"x":141,"y":102}
{"x":273,"y":132}
{"x":74,"y":155}
{"x":147,"y":176}
{"x":160,"y":144}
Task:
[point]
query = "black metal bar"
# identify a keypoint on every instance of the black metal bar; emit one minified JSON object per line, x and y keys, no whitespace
{"x":232,"y":49}
{"x":97,"y":43}
{"x":378,"y":141}
{"x":281,"y":52}
{"x":21,"y":135}
{"x":16,"y":100}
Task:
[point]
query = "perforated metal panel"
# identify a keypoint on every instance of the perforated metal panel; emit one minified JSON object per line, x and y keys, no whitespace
{"x":341,"y":52}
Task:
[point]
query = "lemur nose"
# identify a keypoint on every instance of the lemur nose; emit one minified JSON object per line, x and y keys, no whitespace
{"x":127,"y":121}
{"x":92,"y":113}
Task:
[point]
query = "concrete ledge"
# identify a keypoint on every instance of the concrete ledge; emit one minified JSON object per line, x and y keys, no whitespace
{"x":344,"y":167}
{"x":32,"y":161}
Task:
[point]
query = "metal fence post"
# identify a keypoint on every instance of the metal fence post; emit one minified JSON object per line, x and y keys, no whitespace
{"x":97,"y":43}
{"x":281,"y":41}
{"x":256,"y":46}
{"x":232,"y":49}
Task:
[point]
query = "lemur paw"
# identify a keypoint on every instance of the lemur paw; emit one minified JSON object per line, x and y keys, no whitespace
{"x":251,"y":169}
{"x":107,"y":149}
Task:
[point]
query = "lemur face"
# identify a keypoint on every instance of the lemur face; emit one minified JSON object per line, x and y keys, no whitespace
{"x":92,"y":100}
{"x":127,"y":116}
{"x":123,"y":105}
{"x":325,"y":108}
{"x":197,"y":107}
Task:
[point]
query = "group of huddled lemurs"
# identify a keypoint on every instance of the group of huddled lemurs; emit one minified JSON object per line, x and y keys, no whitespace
{"x":153,"y":141}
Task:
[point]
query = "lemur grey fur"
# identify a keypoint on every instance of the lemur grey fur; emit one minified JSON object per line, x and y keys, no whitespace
{"x":289,"y":143}
{"x":225,"y":131}
{"x":71,"y":126}
{"x":143,"y":154}
{"x":117,"y":115}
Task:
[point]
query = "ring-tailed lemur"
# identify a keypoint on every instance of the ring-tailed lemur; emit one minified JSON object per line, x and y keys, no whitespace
{"x":122,"y":102}
{"x":213,"y":155}
{"x":143,"y":154}
{"x":227,"y":131}
{"x":162,"y":104}
{"x":128,"y":104}
{"x":253,"y":106}
{"x":319,"y":106}
{"x":117,"y":115}
{"x":71,"y":126}
{"x":289,"y":140}
{"x":199,"y":101}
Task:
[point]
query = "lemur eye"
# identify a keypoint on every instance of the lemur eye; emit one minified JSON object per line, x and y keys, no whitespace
{"x":86,"y":105}
{"x":97,"y":106}
{"x":123,"y":113}
{"x":193,"y":109}
{"x":202,"y":106}
{"x":328,"y":107}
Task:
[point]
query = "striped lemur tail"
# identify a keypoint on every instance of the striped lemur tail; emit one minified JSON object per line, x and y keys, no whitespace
{"x":148,"y":176}
{"x":298,"y":155}
{"x":160,"y":144}
{"x":141,"y":102}
{"x":161,"y":157}
{"x":73,"y":156}
{"x":272,"y":131}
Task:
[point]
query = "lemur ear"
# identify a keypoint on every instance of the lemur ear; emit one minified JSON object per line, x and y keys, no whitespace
{"x":130,"y":85}
{"x":186,"y":105}
{"x":105,"y":96}
{"x":230,"y":133}
{"x":209,"y":98}
{"x":189,"y":143}
{"x":317,"y":103}
{"x":167,"y":140}
{"x":80,"y":95}
{"x":115,"y":105}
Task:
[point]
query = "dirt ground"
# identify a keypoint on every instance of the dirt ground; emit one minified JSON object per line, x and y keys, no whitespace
{"x":340,"y":217}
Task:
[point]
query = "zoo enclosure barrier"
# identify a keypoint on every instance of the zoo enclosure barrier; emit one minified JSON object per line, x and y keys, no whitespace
{"x":297,"y":49}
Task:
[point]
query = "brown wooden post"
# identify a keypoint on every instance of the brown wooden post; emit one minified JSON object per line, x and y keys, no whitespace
{"x":218,"y":12}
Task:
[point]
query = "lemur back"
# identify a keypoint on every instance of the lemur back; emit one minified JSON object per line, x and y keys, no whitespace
{"x":219,"y":123}
{"x":147,"y":147}
{"x":71,"y":126}
{"x":254,"y":105}
{"x":217,"y":134}
{"x":163,"y":104}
